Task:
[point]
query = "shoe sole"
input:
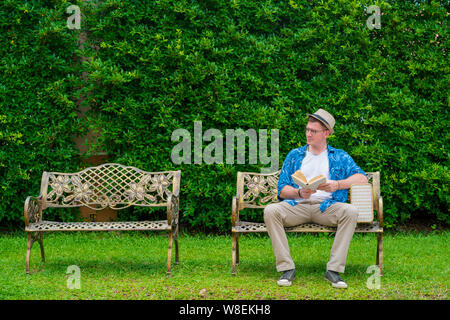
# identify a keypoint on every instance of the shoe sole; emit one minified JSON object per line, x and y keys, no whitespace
{"x":337,"y":285}
{"x":284,"y":283}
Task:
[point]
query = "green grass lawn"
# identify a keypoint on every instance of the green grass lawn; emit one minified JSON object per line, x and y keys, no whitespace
{"x":131,"y":265}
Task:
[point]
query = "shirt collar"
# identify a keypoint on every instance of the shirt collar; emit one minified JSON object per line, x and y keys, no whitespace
{"x":302,"y":150}
{"x":331,"y":149}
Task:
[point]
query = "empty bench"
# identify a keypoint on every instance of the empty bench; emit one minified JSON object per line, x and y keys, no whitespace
{"x":257,"y":190}
{"x":109,"y":185}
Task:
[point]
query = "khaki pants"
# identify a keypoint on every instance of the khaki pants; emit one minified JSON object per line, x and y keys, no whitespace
{"x":282,"y":214}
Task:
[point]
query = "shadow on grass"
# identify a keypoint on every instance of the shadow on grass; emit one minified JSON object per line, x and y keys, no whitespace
{"x":96,"y":267}
{"x":304,"y":270}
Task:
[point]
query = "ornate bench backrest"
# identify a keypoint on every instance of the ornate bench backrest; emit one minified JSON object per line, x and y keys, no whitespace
{"x":257,"y":190}
{"x":109,"y":185}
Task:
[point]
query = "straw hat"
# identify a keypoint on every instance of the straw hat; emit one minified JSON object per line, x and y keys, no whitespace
{"x":325,"y":117}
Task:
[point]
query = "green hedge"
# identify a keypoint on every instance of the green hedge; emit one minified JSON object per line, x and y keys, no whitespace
{"x":158,"y":66}
{"x":38,"y":114}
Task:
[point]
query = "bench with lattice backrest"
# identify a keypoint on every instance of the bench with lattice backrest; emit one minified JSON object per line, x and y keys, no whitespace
{"x":109,"y":185}
{"x":257,"y":190}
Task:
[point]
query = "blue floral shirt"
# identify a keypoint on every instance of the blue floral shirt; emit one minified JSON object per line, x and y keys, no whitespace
{"x":341,"y":166}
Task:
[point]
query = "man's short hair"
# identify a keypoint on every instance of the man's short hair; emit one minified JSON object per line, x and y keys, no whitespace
{"x":312,"y":119}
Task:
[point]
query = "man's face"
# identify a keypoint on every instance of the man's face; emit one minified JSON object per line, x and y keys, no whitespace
{"x":315,"y":133}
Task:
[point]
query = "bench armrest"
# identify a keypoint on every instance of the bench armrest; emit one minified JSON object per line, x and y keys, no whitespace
{"x":380,"y":211}
{"x":32,"y":210}
{"x":235,"y":210}
{"x":172,"y":209}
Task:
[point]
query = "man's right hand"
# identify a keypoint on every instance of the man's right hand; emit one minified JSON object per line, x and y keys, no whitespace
{"x":306,"y":193}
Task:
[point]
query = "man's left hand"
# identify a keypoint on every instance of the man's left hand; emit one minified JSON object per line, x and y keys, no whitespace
{"x":329,"y":186}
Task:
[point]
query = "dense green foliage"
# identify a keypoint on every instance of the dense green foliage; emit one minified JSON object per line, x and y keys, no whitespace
{"x":38,"y":116}
{"x":157,"y":66}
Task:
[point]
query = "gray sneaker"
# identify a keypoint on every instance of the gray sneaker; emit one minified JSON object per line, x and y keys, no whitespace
{"x":286,"y":278}
{"x":335,"y":280}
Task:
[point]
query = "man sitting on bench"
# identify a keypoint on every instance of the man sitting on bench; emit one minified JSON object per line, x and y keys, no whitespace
{"x":325,"y":206}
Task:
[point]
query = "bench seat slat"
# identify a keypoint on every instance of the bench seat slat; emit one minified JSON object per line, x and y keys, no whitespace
{"x":245,"y":226}
{"x":44,"y":226}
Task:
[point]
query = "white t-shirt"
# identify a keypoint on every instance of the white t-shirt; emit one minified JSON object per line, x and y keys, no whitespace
{"x":312,"y":166}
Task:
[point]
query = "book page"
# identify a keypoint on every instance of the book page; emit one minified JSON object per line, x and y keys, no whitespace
{"x":299,"y":178}
{"x":316,"y":181}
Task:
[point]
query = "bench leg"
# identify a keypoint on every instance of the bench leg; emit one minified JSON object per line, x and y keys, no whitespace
{"x":380,"y":252}
{"x":169,"y":254}
{"x":237,"y":248}
{"x":29,"y":245}
{"x":233,"y":253}
{"x":41,"y":243}
{"x":176,"y":247}
{"x":31,"y":239}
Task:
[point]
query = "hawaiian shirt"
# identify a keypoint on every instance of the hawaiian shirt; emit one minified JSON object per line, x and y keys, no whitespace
{"x":341,"y":166}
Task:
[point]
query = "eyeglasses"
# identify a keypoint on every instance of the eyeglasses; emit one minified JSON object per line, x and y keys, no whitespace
{"x":313,"y":132}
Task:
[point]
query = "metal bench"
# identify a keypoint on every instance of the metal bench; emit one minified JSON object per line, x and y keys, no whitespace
{"x":109,"y":185}
{"x":257,"y":190}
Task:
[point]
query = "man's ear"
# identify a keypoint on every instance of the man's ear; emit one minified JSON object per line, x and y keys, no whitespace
{"x":327,"y":133}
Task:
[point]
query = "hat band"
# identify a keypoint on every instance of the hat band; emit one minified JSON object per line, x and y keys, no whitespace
{"x":321,"y":119}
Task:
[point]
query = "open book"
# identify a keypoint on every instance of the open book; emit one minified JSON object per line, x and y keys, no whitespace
{"x":300,"y":179}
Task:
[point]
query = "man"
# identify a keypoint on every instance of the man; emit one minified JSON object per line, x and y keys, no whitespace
{"x":325,"y":206}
